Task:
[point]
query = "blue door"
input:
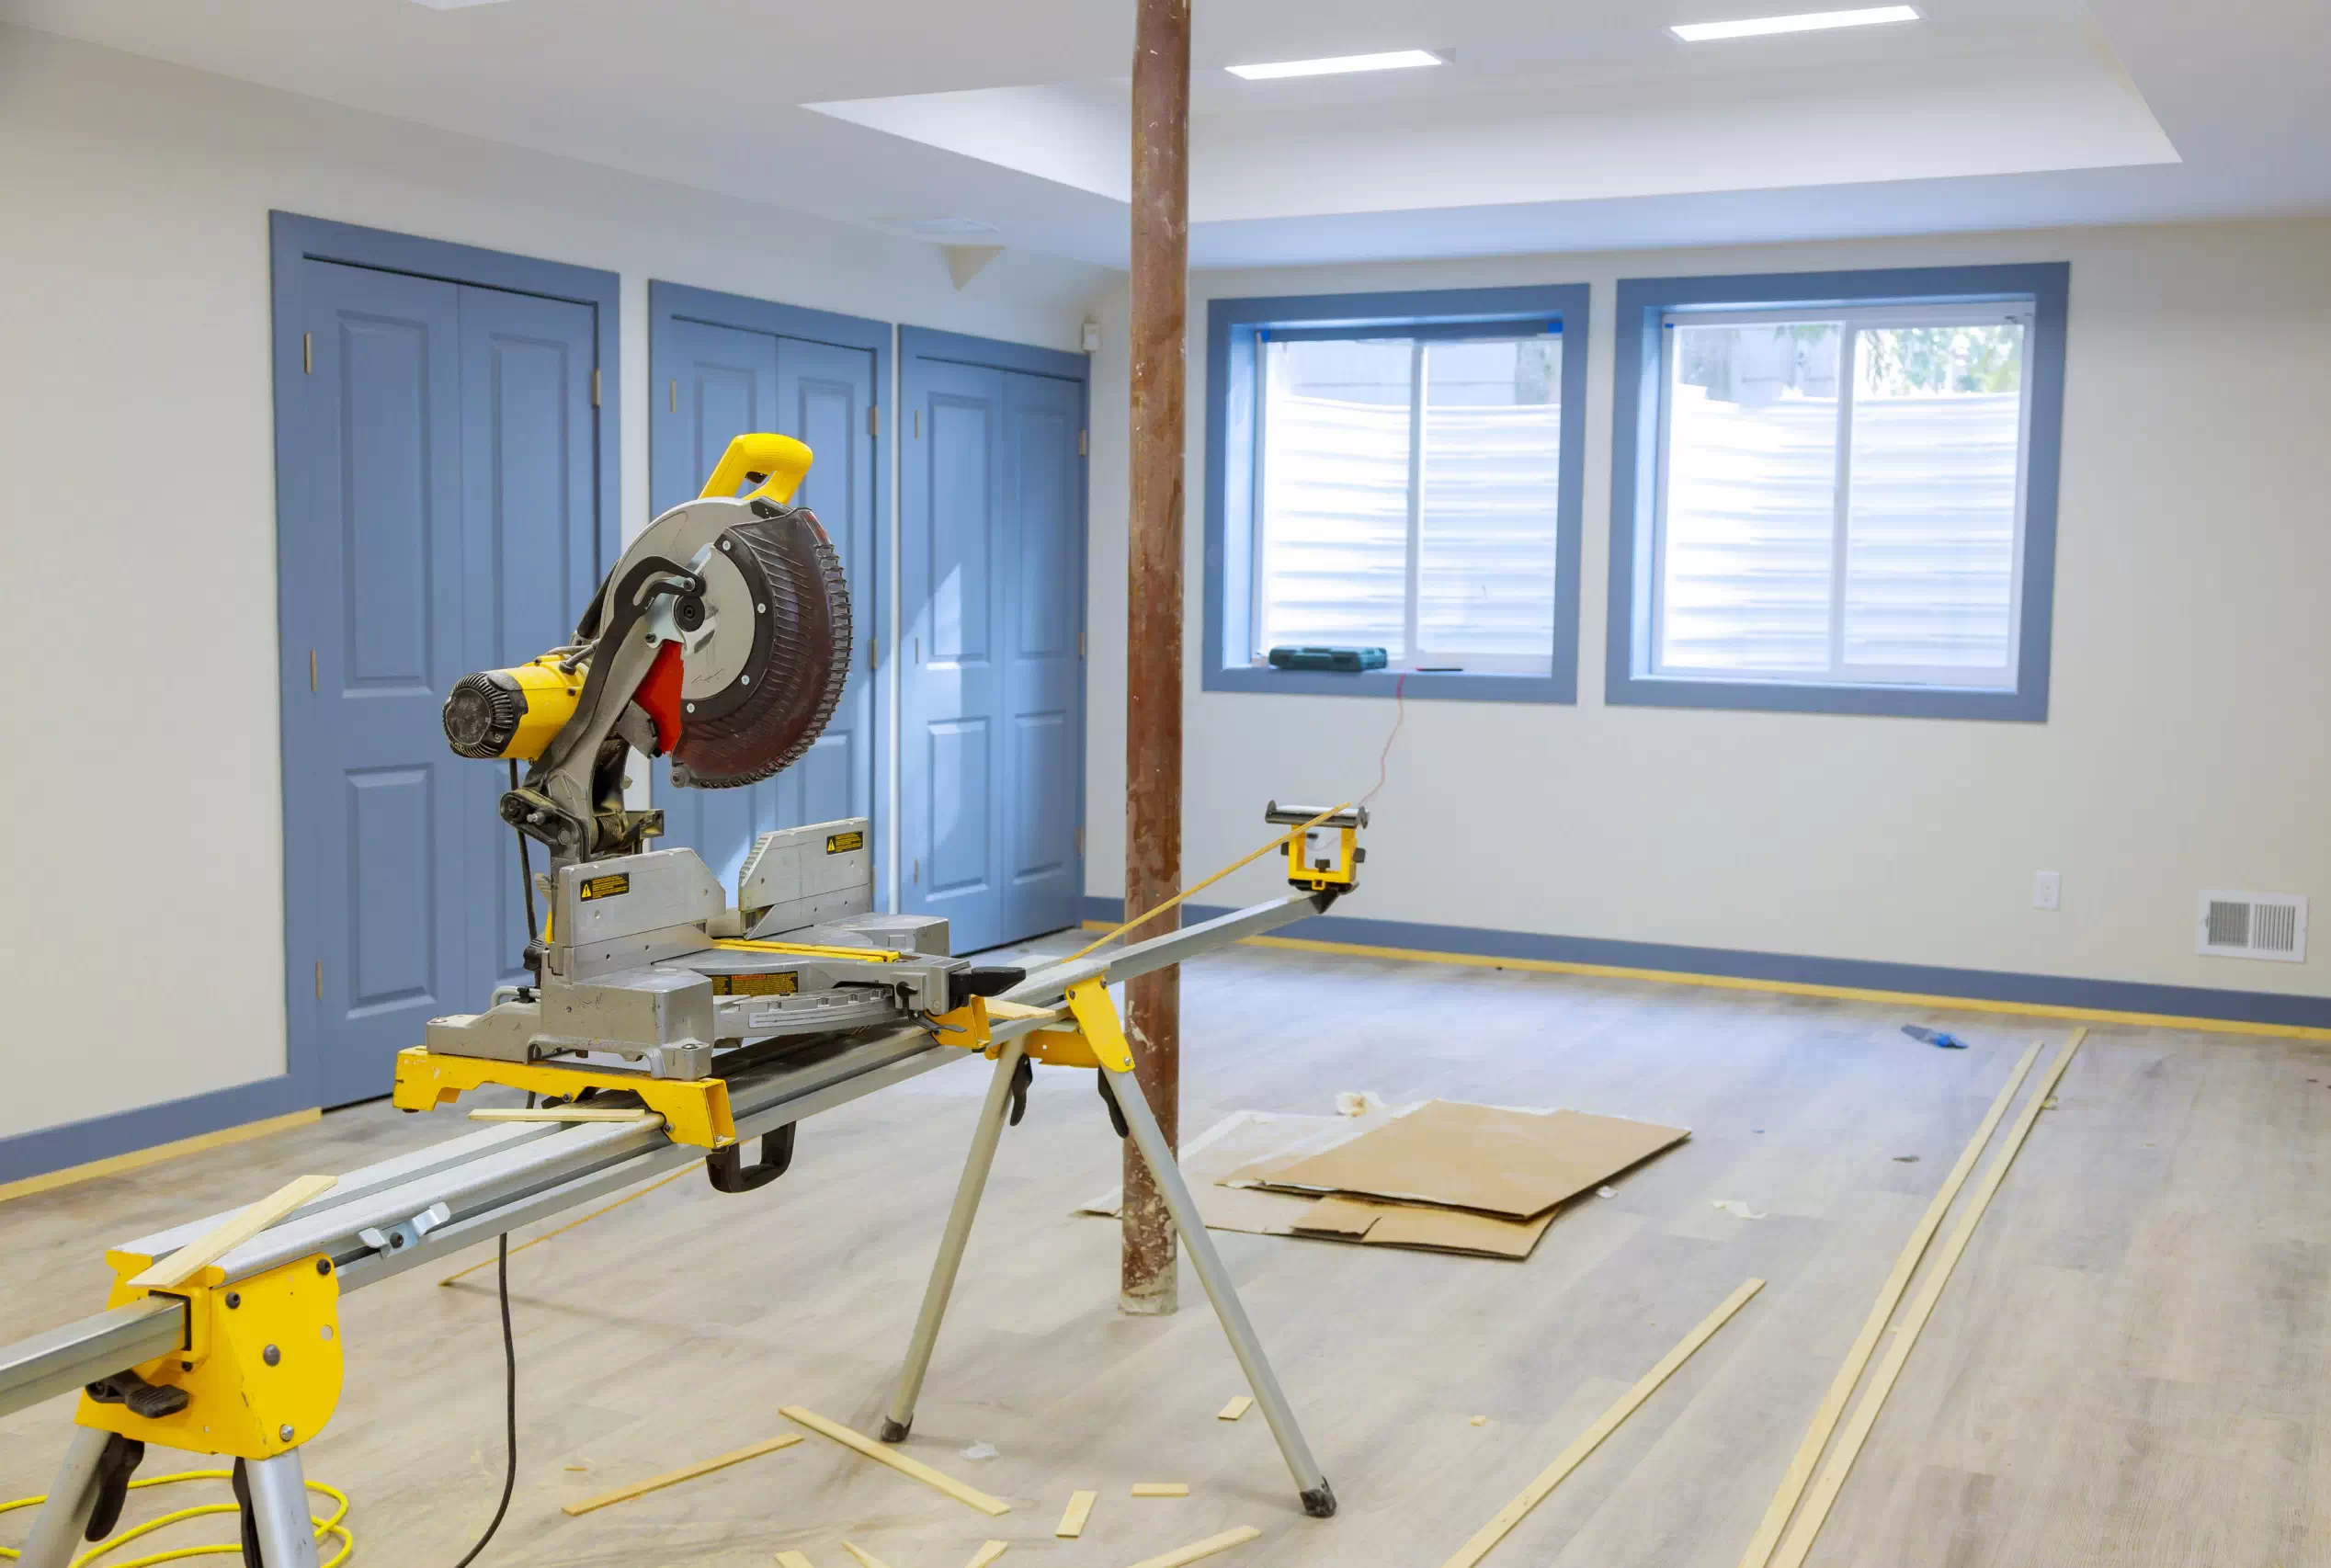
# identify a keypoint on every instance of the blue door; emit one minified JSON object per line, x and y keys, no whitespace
{"x":528,"y":493}
{"x":991,"y":671}
{"x":720,"y":380}
{"x":440,"y":450}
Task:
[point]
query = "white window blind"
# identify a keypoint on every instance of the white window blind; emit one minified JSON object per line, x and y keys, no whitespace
{"x":1407,"y":498}
{"x":1841,"y":495}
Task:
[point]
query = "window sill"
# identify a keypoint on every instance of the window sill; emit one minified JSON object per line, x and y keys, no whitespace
{"x":1781,"y":697}
{"x":1461,"y":685}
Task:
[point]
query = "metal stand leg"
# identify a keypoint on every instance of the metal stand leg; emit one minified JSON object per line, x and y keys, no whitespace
{"x":56,"y":1529}
{"x":1318,"y":1500}
{"x":901,"y":1416}
{"x":280,"y":1499}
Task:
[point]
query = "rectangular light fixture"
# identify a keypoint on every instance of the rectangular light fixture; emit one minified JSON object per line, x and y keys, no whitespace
{"x":1803,"y":22}
{"x":1398,"y":60}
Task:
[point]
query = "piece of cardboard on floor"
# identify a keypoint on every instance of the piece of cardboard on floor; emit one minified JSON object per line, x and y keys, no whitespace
{"x":1422,"y":1227}
{"x":1516,"y":1163}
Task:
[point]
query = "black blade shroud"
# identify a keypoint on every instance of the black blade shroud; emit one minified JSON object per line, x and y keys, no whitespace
{"x":800,"y":657}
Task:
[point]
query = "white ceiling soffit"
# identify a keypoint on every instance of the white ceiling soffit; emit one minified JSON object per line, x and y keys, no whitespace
{"x":1556,"y":124}
{"x":1494,"y":138}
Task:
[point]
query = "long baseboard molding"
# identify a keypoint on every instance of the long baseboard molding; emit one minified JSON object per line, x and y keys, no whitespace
{"x":103,"y":1145}
{"x":1931,"y":986}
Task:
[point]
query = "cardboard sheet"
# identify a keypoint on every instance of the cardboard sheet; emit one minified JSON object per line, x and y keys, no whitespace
{"x":1513,"y":1164}
{"x":1248,"y":1138}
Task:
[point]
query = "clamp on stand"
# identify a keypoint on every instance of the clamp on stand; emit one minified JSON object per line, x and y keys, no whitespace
{"x":1095,"y":1040}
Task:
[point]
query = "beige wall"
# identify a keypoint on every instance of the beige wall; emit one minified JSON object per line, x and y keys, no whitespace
{"x":2186,"y":746}
{"x":143,"y":944}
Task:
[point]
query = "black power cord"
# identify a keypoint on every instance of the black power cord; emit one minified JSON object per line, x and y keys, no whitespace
{"x":502,"y":1275}
{"x":510,"y":1405}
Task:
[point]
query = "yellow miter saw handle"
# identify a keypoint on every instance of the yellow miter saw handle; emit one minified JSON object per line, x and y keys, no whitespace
{"x":780,"y":461}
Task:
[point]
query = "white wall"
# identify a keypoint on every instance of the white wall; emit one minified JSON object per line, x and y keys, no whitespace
{"x":2187,"y":742}
{"x":143,"y":939}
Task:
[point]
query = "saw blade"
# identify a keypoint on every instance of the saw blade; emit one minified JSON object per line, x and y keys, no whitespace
{"x":800,"y":658}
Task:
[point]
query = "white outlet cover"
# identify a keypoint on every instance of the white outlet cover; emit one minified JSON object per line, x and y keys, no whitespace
{"x":2047,"y":890}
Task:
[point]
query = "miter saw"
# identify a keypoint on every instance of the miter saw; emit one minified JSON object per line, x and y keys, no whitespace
{"x":721,"y":639}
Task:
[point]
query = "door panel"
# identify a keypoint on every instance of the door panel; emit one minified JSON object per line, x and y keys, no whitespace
{"x":991,"y":671}
{"x":721,"y":381}
{"x":528,"y":497}
{"x":950,"y":699}
{"x":1043,"y":683}
{"x":373,"y":586}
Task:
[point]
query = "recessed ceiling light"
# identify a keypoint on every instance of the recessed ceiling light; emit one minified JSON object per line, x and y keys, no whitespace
{"x":454,"y":4}
{"x":942,"y":227}
{"x":1398,"y":60}
{"x":1803,"y":22}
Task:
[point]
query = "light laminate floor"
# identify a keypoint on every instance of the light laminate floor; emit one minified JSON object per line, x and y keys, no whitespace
{"x":2128,"y":1366}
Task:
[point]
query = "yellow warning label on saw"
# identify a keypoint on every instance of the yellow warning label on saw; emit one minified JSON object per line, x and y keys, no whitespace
{"x":608,"y":886}
{"x":839,"y":843}
{"x":754,"y":984}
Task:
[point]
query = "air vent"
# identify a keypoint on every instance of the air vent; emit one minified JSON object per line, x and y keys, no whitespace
{"x":2252,"y":926}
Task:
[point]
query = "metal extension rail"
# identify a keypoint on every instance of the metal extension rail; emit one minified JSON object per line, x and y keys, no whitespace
{"x":512,"y":1175}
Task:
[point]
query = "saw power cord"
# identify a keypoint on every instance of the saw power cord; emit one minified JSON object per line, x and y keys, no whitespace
{"x":325,"y":1529}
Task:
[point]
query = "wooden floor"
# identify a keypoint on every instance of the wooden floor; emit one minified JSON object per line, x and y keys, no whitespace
{"x":2128,"y":1366}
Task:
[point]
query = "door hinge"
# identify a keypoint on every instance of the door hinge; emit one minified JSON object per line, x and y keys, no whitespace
{"x":310,"y":669}
{"x":319,"y":980}
{"x":873,"y":654}
{"x":1084,"y":443}
{"x":1080,"y":645}
{"x":873,"y":420}
{"x":918,"y":870}
{"x":919,"y":423}
{"x":594,"y":386}
{"x":672,"y":394}
{"x":918,"y":648}
{"x":1080,"y":839}
{"x":307,"y":352}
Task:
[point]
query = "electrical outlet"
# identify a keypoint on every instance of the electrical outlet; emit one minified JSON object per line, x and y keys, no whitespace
{"x":2047,"y":890}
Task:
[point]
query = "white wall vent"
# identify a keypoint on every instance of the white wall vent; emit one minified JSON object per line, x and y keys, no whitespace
{"x":2252,"y":926}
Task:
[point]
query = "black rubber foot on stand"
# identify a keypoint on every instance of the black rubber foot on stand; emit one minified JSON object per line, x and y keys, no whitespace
{"x":1320,"y":1501}
{"x":895,"y":1432}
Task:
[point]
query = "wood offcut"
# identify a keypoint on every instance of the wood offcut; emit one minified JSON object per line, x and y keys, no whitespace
{"x":970,"y":1495}
{"x":1072,"y":1517}
{"x":1800,"y":1537}
{"x":685,"y":1472}
{"x":1161,"y":1489}
{"x":1513,"y":1512}
{"x":1198,"y":1548}
{"x":1865,"y":1344}
{"x":168,"y":1273}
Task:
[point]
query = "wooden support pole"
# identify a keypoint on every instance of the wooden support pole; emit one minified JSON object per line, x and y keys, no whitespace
{"x":1160,"y":305}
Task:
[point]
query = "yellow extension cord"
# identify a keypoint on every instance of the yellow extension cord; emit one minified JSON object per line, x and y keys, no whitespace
{"x":324,"y":1528}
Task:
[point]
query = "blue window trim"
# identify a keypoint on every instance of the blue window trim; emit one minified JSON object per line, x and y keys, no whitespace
{"x":1634,"y":484}
{"x":1234,"y":327}
{"x":670,"y":302}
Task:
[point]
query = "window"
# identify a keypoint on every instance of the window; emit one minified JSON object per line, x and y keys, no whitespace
{"x":1845,"y":504}
{"x":1405,"y":483}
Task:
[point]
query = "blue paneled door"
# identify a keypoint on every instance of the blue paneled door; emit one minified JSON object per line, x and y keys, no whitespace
{"x":991,"y":718}
{"x":719,"y":382}
{"x":442,"y":447}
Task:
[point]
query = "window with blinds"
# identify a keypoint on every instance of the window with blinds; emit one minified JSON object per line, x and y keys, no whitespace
{"x":1841,"y":495}
{"x":1406,"y":494}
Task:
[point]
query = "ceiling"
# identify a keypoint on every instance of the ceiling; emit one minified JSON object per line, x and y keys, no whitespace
{"x":1556,"y":124}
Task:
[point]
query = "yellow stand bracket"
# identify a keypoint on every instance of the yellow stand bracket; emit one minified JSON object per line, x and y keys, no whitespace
{"x":260,"y":1368}
{"x":1097,"y":1040}
{"x":695,"y":1111}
